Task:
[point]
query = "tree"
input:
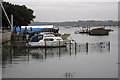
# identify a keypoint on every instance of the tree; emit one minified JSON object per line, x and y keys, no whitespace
{"x":22,"y":15}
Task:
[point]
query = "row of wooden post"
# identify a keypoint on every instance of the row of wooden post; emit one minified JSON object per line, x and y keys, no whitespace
{"x":86,"y":46}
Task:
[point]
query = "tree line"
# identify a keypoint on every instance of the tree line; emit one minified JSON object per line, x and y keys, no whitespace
{"x":21,"y":14}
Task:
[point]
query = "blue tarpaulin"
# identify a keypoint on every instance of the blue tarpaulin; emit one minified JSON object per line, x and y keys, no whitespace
{"x":23,"y":29}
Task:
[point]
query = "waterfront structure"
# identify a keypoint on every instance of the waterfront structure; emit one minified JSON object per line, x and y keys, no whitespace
{"x":32,"y":28}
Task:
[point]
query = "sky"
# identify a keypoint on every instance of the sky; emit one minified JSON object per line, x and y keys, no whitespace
{"x":64,"y":10}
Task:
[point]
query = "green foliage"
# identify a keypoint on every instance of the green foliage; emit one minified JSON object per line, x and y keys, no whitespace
{"x":21,"y":14}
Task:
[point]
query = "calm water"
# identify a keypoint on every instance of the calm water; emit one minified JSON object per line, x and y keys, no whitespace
{"x":97,"y":62}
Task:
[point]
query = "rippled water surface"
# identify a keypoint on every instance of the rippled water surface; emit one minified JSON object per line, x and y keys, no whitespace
{"x":96,"y":62}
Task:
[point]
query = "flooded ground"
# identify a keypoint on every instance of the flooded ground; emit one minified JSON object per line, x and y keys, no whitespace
{"x":96,"y":62}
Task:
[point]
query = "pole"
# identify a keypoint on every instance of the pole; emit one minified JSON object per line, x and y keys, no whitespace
{"x":109,"y":46}
{"x":45,"y":44}
{"x":75,"y":47}
{"x":86,"y":46}
{"x":0,"y":17}
{"x":6,"y":14}
{"x":11,"y":22}
{"x":70,"y":47}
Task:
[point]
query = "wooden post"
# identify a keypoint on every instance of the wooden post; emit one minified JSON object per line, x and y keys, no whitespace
{"x":59,"y":50}
{"x":20,"y":28}
{"x":86,"y":46}
{"x":45,"y":53}
{"x":25,"y":33}
{"x":31,"y":29}
{"x":28,"y":54}
{"x":25,"y":30}
{"x":59,"y":43}
{"x":15,"y":28}
{"x":70,"y":47}
{"x":45,"y":44}
{"x":109,"y":46}
{"x":75,"y":48}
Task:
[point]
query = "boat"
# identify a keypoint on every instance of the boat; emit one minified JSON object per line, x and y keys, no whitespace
{"x":65,"y":36}
{"x":49,"y":40}
{"x":55,"y":32}
{"x":99,"y":31}
{"x":50,"y":30}
{"x":82,"y":32}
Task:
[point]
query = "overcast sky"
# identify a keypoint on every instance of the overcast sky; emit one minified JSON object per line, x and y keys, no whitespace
{"x":71,"y":11}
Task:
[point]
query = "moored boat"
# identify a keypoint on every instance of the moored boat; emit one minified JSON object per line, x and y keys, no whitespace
{"x":99,"y":31}
{"x":82,"y":32}
{"x":65,"y":36}
{"x":48,"y":40}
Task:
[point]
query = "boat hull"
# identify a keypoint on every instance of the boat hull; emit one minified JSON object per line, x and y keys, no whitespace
{"x":47,"y":44}
{"x":99,"y":31}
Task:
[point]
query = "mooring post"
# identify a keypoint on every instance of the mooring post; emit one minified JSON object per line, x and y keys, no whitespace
{"x":75,"y":47}
{"x":59,"y":52}
{"x":20,"y":28}
{"x":28,"y":54}
{"x":45,"y":44}
{"x":70,"y":46}
{"x":45,"y":53}
{"x":18,"y":35}
{"x":59,"y":43}
{"x":30,"y":28}
{"x":109,"y":46}
{"x":86,"y":46}
{"x":15,"y":28}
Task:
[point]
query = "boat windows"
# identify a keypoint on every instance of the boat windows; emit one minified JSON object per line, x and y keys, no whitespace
{"x":58,"y":39}
{"x":48,"y":39}
{"x":49,"y":36}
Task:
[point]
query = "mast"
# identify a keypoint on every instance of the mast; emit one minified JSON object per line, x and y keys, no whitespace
{"x":7,"y":16}
{"x":0,"y":17}
{"x":12,"y":22}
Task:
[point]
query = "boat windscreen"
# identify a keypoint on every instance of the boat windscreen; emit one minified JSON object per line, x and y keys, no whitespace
{"x":36,"y":38}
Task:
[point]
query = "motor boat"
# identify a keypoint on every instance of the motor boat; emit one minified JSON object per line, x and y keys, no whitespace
{"x":46,"y":40}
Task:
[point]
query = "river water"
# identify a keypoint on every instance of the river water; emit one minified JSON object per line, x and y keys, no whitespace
{"x":96,"y":62}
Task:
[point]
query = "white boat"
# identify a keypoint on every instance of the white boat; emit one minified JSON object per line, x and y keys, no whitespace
{"x":49,"y":40}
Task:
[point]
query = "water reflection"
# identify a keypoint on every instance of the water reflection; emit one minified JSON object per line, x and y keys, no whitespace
{"x":14,"y":53}
{"x":74,"y":61}
{"x":44,"y":53}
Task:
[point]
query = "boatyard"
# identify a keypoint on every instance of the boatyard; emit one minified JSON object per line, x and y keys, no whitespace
{"x":41,"y":46}
{"x":76,"y":49}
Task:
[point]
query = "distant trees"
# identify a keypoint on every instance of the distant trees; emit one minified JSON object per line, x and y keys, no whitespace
{"x":22,"y":15}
